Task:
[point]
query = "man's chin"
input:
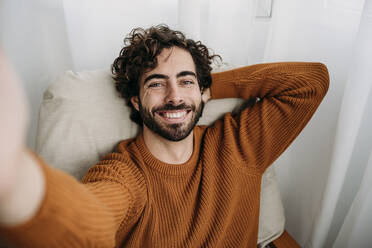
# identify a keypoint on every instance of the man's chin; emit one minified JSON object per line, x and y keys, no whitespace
{"x":173,"y":132}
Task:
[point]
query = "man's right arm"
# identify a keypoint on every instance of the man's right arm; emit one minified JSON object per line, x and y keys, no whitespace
{"x":21,"y":181}
{"x":43,"y":207}
{"x":22,"y":195}
{"x":69,"y":212}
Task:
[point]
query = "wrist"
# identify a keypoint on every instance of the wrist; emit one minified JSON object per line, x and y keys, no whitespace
{"x":21,"y":200}
{"x":11,"y":164}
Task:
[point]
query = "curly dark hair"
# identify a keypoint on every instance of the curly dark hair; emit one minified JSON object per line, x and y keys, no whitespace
{"x":141,"y":47}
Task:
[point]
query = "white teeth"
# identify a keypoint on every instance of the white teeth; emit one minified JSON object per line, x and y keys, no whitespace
{"x":175,"y":115}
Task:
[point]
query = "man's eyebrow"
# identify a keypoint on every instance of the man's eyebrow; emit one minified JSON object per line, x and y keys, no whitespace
{"x":186,"y":73}
{"x":160,"y":76}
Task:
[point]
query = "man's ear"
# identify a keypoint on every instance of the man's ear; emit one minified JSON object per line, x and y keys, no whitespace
{"x":134,"y":101}
{"x":206,"y":95}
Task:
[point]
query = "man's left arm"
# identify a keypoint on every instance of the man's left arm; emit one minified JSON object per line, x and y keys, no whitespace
{"x":288,"y":93}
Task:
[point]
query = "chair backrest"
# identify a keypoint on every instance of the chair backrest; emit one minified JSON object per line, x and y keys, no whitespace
{"x":82,"y":118}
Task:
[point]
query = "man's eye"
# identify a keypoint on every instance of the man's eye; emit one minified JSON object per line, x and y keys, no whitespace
{"x":155,"y":85}
{"x":187,"y":82}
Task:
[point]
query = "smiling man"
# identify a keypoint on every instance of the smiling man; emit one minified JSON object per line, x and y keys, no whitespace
{"x":170,"y":102}
{"x":176,"y":184}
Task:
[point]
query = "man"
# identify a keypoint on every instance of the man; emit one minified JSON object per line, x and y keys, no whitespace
{"x":176,"y":184}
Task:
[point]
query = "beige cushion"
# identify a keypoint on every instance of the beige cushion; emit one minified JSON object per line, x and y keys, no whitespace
{"x":82,"y":118}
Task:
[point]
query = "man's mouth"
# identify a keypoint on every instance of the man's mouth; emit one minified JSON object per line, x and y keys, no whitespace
{"x":174,"y":114}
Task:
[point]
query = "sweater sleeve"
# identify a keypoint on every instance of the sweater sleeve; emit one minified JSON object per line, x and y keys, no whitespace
{"x":288,"y":95}
{"x":97,"y":213}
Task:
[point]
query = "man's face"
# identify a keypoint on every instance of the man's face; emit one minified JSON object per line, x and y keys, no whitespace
{"x":170,"y":100}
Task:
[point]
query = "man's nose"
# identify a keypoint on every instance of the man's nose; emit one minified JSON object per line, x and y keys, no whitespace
{"x":174,"y":95}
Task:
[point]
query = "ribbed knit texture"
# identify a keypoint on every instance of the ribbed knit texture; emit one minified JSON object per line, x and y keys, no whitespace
{"x":131,"y":199}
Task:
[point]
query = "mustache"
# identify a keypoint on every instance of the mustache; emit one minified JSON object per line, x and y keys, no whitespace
{"x":173,"y":107}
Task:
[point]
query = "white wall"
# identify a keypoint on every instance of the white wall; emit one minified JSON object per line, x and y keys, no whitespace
{"x":44,"y":38}
{"x":96,"y":28}
{"x":33,"y":35}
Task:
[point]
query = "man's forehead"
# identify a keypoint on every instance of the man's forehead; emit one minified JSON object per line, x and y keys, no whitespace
{"x":172,"y":62}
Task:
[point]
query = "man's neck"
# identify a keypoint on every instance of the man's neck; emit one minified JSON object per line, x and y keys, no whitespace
{"x":171,"y":152}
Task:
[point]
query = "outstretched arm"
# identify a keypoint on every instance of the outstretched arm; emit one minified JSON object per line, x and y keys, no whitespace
{"x":288,"y":93}
{"x":21,"y":180}
{"x":44,"y":207}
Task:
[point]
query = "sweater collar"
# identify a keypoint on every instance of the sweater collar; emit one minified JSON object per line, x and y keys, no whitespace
{"x":171,"y":169}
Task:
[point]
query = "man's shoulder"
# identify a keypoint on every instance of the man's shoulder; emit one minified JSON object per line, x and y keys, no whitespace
{"x":219,"y":123}
{"x":200,"y":128}
{"x":202,"y":131}
{"x":122,"y":153}
{"x":118,"y":165}
{"x":124,"y":145}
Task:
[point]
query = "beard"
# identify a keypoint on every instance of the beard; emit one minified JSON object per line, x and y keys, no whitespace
{"x":172,"y":132}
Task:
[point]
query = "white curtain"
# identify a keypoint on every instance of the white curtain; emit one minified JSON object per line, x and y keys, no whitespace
{"x":344,"y":218}
{"x":325,"y":174}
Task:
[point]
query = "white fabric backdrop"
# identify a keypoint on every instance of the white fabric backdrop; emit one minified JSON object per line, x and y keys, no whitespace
{"x":325,"y":175}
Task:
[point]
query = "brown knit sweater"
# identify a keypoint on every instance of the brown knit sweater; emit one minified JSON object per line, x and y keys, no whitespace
{"x":131,"y":199}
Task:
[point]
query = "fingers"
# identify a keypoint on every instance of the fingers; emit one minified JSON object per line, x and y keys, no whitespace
{"x":14,"y":116}
{"x":12,"y":96}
